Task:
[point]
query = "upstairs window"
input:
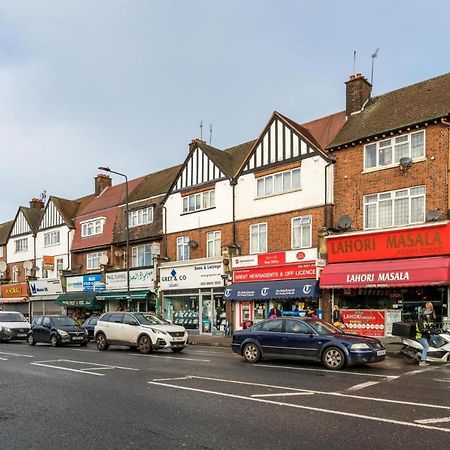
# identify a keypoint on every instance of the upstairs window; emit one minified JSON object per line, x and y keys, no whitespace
{"x":21,"y":245}
{"x":213,"y":244}
{"x":93,"y":260}
{"x":197,"y":202}
{"x":1,"y":251}
{"x":92,"y":227}
{"x":301,"y":232}
{"x":395,"y":208}
{"x":278,"y":183}
{"x":51,"y":238}
{"x":258,"y":238}
{"x":388,"y":152}
{"x":142,"y":216}
{"x":183,"y":248}
{"x":141,"y":255}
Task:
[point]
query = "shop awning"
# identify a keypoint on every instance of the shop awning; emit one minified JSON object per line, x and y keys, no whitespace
{"x":279,"y":290}
{"x":390,"y":273}
{"x":85,"y":300}
{"x":122,"y":295}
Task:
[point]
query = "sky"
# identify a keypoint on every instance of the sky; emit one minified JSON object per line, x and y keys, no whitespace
{"x":126,"y":83}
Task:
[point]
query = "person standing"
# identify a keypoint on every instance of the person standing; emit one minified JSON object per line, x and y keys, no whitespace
{"x":274,"y":312}
{"x":423,"y":335}
{"x":337,"y":316}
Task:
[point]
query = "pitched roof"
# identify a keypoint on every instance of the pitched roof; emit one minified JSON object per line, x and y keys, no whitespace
{"x":417,"y":103}
{"x":67,"y":208}
{"x":33,"y":216}
{"x":326,"y":128}
{"x":221,"y":159}
{"x":5,"y":229}
{"x":239,"y":154}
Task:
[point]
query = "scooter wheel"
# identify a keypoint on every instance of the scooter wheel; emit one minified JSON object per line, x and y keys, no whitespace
{"x":409,"y":355}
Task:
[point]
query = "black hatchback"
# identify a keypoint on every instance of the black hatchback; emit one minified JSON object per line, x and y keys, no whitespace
{"x":57,"y":330}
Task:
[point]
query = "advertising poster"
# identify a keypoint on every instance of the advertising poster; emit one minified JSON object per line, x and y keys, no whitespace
{"x":366,"y":322}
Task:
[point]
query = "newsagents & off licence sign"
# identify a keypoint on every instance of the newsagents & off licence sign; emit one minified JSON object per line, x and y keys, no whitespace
{"x":192,"y":277}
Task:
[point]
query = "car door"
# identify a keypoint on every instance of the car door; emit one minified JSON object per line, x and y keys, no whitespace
{"x":45,"y":329}
{"x":37,"y":328}
{"x":270,"y":337}
{"x":130,"y":329}
{"x":114,"y":328}
{"x":300,"y":340}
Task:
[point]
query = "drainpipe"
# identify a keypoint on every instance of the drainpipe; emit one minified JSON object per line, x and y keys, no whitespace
{"x":233,"y":183}
{"x":332,"y":161}
{"x":69,"y":262}
{"x":446,"y":122}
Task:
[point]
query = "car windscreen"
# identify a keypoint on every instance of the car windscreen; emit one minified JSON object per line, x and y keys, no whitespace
{"x":149,"y":319}
{"x":12,"y":317}
{"x":323,"y":327}
{"x":64,"y":321}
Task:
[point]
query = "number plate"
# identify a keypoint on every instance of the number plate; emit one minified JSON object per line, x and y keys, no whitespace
{"x":21,"y":335}
{"x":177,"y":338}
{"x":77,"y":338}
{"x":381,"y":352}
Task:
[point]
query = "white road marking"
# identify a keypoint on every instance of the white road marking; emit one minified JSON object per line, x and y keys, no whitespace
{"x":358,"y":387}
{"x":308,"y":408}
{"x":282,"y":394}
{"x":95,"y":364}
{"x":438,"y":420}
{"x":84,"y":350}
{"x":16,"y":354}
{"x":309,"y":369}
{"x":84,"y":370}
{"x":442,"y":381}
{"x":68,"y":369}
{"x":171,"y":379}
{"x":4,"y":359}
{"x":182,"y":358}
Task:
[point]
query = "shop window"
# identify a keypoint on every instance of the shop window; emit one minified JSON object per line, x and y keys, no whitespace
{"x":301,"y":232}
{"x":258,"y":238}
{"x":213,"y":244}
{"x":183,"y":248}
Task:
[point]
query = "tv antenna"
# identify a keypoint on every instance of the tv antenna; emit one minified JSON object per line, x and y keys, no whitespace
{"x":201,"y":130}
{"x":210,"y":133}
{"x":44,"y":195}
{"x":354,"y":62}
{"x":373,"y":56}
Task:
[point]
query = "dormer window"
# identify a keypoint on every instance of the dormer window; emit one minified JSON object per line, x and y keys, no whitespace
{"x":197,"y":202}
{"x":141,"y":216}
{"x":388,"y":152}
{"x":92,"y":227}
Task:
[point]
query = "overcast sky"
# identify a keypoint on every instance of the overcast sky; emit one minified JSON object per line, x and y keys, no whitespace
{"x":126,"y":83}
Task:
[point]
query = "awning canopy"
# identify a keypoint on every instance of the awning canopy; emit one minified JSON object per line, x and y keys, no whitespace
{"x":122,"y":295}
{"x":390,"y":273}
{"x":85,"y":300}
{"x":279,"y":290}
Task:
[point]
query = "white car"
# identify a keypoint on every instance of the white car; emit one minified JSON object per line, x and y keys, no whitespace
{"x":13,"y":326}
{"x":136,"y":329}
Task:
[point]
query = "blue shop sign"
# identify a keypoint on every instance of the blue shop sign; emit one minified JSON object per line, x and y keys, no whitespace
{"x":90,"y":280}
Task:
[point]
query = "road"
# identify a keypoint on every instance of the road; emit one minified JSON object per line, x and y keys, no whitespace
{"x":209,"y":398}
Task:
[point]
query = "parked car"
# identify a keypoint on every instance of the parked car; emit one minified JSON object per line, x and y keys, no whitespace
{"x":89,"y":324}
{"x":306,"y":338}
{"x":144,"y":331}
{"x":57,"y":330}
{"x":13,"y":326}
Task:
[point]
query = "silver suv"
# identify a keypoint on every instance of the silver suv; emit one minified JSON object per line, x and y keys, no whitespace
{"x":141,"y":330}
{"x":13,"y":325}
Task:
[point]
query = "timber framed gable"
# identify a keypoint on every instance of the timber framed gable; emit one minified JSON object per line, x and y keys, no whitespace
{"x":21,"y":226}
{"x":51,"y":218}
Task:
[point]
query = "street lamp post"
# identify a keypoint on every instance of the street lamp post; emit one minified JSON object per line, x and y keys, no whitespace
{"x":127,"y":232}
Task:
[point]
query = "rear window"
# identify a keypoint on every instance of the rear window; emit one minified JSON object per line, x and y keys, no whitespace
{"x":12,"y":317}
{"x":273,"y":326}
{"x":105,"y":317}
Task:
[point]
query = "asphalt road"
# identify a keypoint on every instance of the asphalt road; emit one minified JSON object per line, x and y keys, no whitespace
{"x":209,"y":398}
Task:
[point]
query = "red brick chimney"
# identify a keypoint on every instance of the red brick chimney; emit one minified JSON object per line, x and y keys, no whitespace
{"x":36,"y":203}
{"x":102,"y":182}
{"x":358,"y":91}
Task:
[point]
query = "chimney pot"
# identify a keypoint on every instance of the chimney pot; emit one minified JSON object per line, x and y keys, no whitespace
{"x":102,"y":181}
{"x":358,"y":91}
{"x":36,"y":203}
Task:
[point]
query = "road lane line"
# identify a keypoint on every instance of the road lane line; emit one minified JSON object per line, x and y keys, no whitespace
{"x":442,"y":381}
{"x":68,"y":369}
{"x":4,"y":359}
{"x":308,"y":408}
{"x":95,"y":364}
{"x":175,"y":357}
{"x":172,"y":379}
{"x":358,"y":387}
{"x":16,"y":354}
{"x":308,"y":369}
{"x":282,"y":394}
{"x":438,"y":420}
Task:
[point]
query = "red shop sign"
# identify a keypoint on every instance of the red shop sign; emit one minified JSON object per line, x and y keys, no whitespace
{"x":370,"y":322}
{"x":286,"y":272}
{"x":391,"y":244}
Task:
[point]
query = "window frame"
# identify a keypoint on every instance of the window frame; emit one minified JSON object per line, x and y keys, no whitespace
{"x":185,"y":255}
{"x":199,"y":201}
{"x":135,"y":255}
{"x":302,"y":226}
{"x":91,"y":256}
{"x":18,"y":248}
{"x":49,"y":238}
{"x":268,"y":183}
{"x":136,"y":217}
{"x":96,"y":225}
{"x":216,"y":241}
{"x":259,"y":225}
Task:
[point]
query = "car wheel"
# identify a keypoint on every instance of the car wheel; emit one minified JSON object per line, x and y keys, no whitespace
{"x":177,"y":350}
{"x":102,"y":343}
{"x":31,"y":340}
{"x":251,"y":353}
{"x":145,"y":344}
{"x":333,"y":358}
{"x":53,"y":341}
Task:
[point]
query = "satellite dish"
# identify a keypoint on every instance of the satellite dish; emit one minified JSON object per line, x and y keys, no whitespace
{"x":433,"y":214}
{"x":344,"y":222}
{"x":3,"y":266}
{"x":28,"y":265}
{"x":405,"y":162}
{"x":118,"y":252}
{"x":193,"y":244}
{"x":104,"y":260}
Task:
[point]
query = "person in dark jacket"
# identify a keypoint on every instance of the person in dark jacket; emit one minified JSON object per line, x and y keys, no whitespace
{"x":423,"y":335}
{"x":337,"y":317}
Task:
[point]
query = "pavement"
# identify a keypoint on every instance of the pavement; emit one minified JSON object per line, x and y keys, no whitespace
{"x":393,"y":344}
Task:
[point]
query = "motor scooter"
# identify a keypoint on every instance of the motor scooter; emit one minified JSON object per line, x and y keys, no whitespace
{"x":439,"y":350}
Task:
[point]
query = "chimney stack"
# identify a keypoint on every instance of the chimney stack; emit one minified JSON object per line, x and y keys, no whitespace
{"x":36,"y":203}
{"x":358,"y":91}
{"x":102,"y":182}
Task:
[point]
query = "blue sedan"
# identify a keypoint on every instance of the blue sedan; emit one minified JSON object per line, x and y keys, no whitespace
{"x":306,"y":338}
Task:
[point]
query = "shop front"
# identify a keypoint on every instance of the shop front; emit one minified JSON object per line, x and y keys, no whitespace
{"x":284,"y":280}
{"x":143,"y":294}
{"x":193,"y":295}
{"x":390,"y":270}
{"x":14,"y":297}
{"x":80,"y":299}
{"x":43,"y":296}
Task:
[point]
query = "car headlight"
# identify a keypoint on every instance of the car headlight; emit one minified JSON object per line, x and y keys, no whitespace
{"x":86,"y":332}
{"x":360,"y":346}
{"x":62,"y":333}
